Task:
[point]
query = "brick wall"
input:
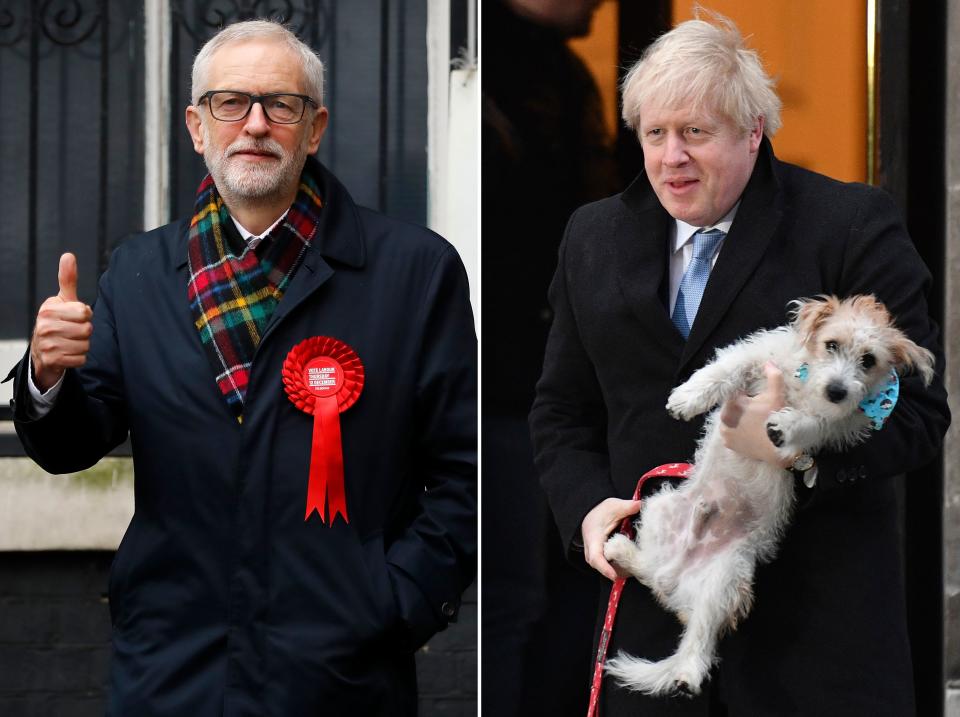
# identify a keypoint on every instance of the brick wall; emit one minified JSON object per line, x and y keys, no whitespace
{"x":55,"y":631}
{"x":447,"y":666}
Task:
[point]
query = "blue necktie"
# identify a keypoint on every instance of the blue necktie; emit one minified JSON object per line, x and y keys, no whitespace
{"x":695,"y":279}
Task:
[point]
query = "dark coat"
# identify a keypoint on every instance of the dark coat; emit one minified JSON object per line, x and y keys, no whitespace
{"x":827,"y":635}
{"x":224,"y":600}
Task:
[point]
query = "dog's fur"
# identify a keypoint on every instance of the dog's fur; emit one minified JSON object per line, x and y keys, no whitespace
{"x":697,"y":545}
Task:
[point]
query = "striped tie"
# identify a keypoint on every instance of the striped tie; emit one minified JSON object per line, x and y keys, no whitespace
{"x":695,"y":279}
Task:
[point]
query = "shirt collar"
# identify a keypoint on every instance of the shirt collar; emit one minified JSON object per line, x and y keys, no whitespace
{"x":253,"y":239}
{"x":686,"y":231}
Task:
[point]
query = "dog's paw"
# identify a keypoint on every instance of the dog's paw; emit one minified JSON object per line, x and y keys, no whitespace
{"x":780,"y":427}
{"x":791,"y":431}
{"x":619,"y":549}
{"x":684,"y":403}
{"x":774,"y":434}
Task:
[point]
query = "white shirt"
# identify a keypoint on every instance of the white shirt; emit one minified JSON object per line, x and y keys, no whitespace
{"x":681,"y":252}
{"x":42,"y":402}
{"x":250,"y":238}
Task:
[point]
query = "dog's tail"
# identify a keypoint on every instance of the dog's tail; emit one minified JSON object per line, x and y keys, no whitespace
{"x":677,"y":674}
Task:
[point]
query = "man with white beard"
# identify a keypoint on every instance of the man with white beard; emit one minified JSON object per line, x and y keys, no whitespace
{"x":229,"y":346}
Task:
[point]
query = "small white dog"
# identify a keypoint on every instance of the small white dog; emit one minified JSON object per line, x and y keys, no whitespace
{"x":698,"y":544}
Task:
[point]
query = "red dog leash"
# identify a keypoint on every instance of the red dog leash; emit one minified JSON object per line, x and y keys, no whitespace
{"x":668,"y":470}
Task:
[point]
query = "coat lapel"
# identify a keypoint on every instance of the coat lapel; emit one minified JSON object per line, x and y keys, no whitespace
{"x":753,"y":228}
{"x":313,"y":272}
{"x":642,"y":252}
{"x":339,"y":238}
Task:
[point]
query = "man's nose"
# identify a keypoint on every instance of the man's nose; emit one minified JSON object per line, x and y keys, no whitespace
{"x":256,"y":122}
{"x":675,"y":152}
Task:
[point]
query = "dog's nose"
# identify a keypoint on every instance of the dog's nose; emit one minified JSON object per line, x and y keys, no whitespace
{"x":836,"y":392}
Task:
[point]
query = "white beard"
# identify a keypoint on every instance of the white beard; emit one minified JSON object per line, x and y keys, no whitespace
{"x":240,"y":180}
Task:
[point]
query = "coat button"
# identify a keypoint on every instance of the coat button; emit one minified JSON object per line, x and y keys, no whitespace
{"x":841,"y":476}
{"x":448,"y":609}
{"x":862,"y":471}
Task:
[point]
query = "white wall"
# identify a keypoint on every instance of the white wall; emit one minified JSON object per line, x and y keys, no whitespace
{"x":453,"y":153}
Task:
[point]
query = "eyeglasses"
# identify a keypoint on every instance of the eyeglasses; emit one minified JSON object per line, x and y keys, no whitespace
{"x":279,"y":107}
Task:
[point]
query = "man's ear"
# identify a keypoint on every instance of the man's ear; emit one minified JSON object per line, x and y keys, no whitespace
{"x":318,"y":125}
{"x":195,"y":128}
{"x":756,"y":134}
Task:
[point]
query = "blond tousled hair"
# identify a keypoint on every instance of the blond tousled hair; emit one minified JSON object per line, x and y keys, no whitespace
{"x":705,"y":66}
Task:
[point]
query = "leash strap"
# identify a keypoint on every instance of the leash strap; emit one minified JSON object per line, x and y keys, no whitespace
{"x":668,"y":470}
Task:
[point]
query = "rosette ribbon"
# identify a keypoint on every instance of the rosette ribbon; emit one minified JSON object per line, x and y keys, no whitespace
{"x":324,"y":377}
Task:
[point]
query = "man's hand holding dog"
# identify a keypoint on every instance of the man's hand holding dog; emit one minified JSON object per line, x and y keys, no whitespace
{"x":61,"y":337}
{"x":597,"y":526}
{"x":743,"y":420}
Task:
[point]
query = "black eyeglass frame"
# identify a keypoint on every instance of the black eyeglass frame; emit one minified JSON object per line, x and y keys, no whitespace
{"x":307,"y":99}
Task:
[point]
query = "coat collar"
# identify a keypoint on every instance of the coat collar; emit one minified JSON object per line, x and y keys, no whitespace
{"x":643,"y":268}
{"x":340,"y":234}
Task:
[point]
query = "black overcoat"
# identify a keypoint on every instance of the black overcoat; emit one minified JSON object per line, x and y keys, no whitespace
{"x":224,"y":600}
{"x":827,"y":635}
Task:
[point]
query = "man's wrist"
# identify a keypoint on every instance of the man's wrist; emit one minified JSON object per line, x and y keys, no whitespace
{"x":41,"y":401}
{"x":42,"y":383}
{"x":787,"y":463}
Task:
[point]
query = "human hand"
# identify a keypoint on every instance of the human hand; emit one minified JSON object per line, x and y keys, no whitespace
{"x":61,"y":336}
{"x":743,"y":420}
{"x":597,"y":525}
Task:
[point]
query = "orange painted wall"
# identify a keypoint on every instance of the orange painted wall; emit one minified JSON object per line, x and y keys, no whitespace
{"x":817,"y":50}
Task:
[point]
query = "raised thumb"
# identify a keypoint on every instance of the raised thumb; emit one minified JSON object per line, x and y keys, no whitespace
{"x":67,"y":277}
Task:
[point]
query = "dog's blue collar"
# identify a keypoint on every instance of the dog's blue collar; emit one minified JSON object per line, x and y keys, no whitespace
{"x":878,"y":405}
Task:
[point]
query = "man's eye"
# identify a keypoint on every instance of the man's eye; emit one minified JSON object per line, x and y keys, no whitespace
{"x":868,"y":361}
{"x":831,"y":346}
{"x":694,"y":130}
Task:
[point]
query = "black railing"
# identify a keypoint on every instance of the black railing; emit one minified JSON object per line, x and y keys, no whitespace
{"x":71,"y":149}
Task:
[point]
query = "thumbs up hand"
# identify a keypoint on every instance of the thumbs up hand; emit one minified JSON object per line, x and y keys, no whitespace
{"x":67,"y":277}
{"x":61,"y":336}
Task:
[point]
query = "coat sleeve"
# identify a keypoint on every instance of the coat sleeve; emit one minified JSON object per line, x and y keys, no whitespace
{"x":88,"y":418}
{"x":568,"y":420}
{"x":880,"y":259}
{"x":434,"y":560}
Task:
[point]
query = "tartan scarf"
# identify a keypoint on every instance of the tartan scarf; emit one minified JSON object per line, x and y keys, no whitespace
{"x":233,"y":289}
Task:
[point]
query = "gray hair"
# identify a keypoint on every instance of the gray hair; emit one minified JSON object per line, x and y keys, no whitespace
{"x":707,"y":66}
{"x":257,"y":30}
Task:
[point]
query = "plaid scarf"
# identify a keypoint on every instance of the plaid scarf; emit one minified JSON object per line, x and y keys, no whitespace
{"x":233,"y":289}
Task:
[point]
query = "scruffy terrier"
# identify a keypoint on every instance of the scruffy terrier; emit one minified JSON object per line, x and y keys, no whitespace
{"x":697,"y":545}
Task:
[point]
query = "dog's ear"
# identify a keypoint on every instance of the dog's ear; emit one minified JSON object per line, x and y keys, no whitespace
{"x":907,"y":355}
{"x":808,"y":315}
{"x":869,"y":305}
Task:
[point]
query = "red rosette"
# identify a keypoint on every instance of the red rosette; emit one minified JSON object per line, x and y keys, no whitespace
{"x":324,"y":377}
